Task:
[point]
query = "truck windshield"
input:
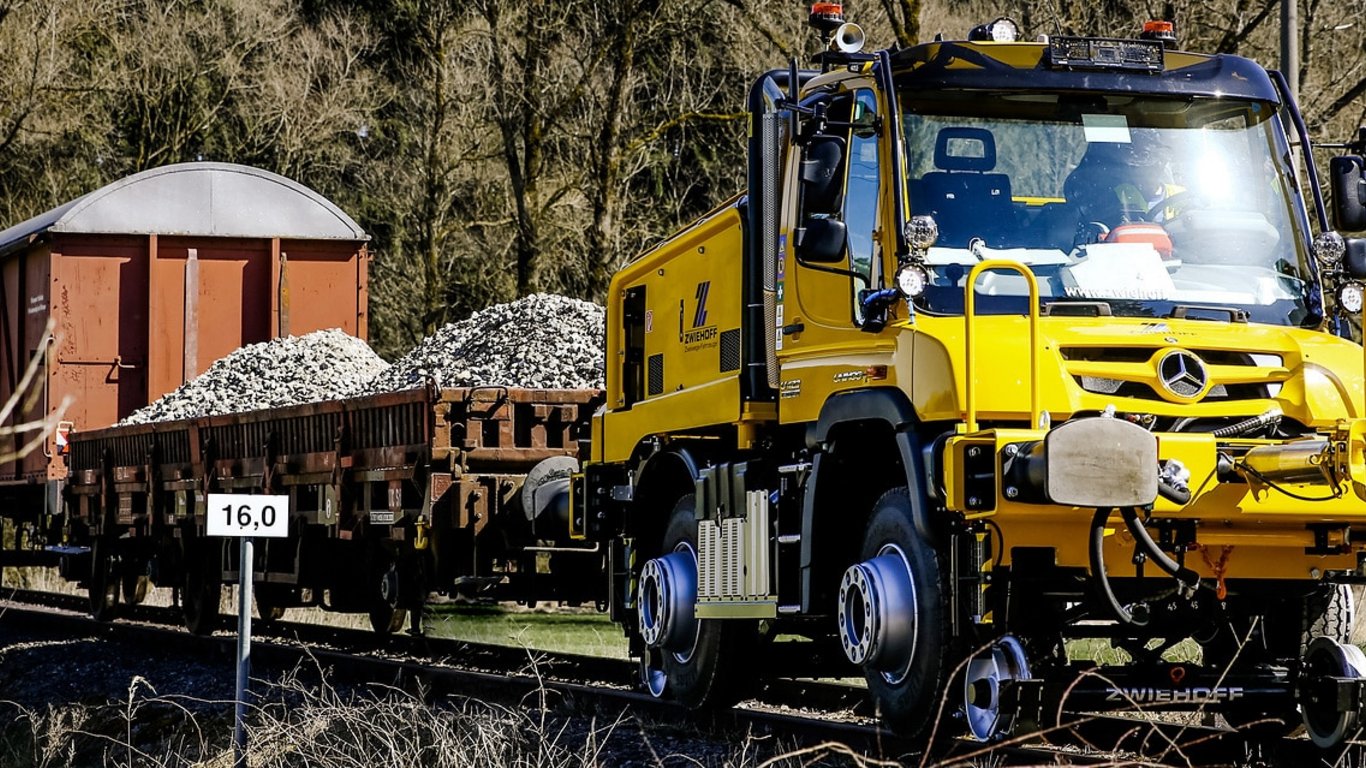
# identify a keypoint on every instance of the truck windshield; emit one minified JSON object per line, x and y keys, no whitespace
{"x":1135,"y":205}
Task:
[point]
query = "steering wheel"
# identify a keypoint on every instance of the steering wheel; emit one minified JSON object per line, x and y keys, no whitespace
{"x":1177,"y":204}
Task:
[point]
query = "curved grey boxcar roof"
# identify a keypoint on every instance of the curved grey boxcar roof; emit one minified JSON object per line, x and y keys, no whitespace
{"x":203,"y":199}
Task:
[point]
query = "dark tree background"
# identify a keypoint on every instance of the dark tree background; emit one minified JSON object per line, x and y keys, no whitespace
{"x":497,"y":147}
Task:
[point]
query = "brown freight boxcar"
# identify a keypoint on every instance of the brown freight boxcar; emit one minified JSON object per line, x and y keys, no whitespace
{"x":391,"y":496}
{"x":149,"y":280}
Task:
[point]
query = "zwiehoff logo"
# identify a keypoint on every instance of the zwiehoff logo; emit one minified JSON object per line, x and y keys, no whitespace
{"x":696,"y":336}
{"x":1196,"y":695}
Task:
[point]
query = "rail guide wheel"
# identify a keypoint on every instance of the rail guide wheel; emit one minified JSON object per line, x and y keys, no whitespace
{"x":1004,"y":661}
{"x":1329,"y":720}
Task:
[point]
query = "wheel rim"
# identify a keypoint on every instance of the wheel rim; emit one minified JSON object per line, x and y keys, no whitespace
{"x":386,"y":617}
{"x":388,"y":586}
{"x":1004,"y":661}
{"x":1327,"y":726}
{"x":877,"y":614}
{"x":665,"y":606}
{"x":652,"y":672}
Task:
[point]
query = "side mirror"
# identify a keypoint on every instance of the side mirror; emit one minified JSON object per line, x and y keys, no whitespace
{"x":1355,"y":261}
{"x":1349,"y":192}
{"x":864,"y":122}
{"x":821,"y":241}
{"x":820,"y":175}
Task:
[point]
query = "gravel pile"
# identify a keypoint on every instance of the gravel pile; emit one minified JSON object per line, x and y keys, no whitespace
{"x":542,"y":341}
{"x":323,"y":365}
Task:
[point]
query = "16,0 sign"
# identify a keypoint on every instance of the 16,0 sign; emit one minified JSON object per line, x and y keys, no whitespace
{"x":244,"y":514}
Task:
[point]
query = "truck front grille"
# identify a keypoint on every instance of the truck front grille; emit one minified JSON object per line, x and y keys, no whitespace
{"x":1102,"y":386}
{"x":1088,"y":368}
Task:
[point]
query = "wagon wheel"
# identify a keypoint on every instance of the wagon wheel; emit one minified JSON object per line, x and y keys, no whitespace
{"x":1326,"y":610}
{"x":386,"y":617}
{"x":104,"y":581}
{"x":202,"y":593}
{"x":270,"y":601}
{"x":134,"y":582}
{"x":700,"y":663}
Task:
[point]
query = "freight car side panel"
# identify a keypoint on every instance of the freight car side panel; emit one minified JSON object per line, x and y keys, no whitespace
{"x":122,"y":318}
{"x":14,"y":298}
{"x":99,"y":307}
{"x":391,"y":468}
{"x":199,"y":315}
{"x":320,"y":285}
{"x":23,"y":312}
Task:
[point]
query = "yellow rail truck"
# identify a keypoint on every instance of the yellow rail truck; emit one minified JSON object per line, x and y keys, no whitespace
{"x":1007,"y":344}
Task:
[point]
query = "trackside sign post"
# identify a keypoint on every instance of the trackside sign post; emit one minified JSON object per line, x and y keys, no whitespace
{"x":245,"y":516}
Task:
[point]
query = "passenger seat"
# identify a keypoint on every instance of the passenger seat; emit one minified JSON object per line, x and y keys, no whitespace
{"x":965,"y":200}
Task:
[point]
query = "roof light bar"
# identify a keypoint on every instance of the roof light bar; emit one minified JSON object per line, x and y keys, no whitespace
{"x":1105,"y":53}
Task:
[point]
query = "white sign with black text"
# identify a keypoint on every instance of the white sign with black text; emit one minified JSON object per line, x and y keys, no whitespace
{"x":244,"y":514}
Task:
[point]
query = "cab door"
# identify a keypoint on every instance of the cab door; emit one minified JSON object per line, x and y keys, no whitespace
{"x":834,"y":240}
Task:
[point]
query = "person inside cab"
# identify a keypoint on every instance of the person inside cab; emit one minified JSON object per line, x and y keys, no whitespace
{"x":1117,"y":184}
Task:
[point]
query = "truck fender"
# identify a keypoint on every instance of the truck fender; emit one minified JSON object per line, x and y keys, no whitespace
{"x":887,"y":405}
{"x":876,"y":404}
{"x":663,"y":477}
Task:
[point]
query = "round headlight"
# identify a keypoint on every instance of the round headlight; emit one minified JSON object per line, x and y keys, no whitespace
{"x":1000,"y":30}
{"x":1329,"y":248}
{"x":1350,"y":297}
{"x":922,"y":232}
{"x":911,"y":280}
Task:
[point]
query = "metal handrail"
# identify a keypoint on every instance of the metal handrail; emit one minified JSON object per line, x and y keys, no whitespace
{"x":970,"y":318}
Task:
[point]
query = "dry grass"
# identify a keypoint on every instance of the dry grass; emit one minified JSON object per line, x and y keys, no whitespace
{"x":303,"y":720}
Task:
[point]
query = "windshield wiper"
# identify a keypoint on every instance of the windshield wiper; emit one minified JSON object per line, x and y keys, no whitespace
{"x":1091,"y":308}
{"x":1183,"y":312}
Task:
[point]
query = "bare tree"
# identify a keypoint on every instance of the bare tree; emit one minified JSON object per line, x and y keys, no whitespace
{"x":311,"y":99}
{"x":45,"y":101}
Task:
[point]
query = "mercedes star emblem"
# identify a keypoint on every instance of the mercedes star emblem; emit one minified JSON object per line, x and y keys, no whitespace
{"x":1182,"y":374}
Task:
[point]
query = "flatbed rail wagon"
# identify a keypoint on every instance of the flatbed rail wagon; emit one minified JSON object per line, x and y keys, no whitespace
{"x":392,"y":496}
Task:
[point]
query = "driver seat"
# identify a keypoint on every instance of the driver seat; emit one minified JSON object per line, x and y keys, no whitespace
{"x":1106,"y":189}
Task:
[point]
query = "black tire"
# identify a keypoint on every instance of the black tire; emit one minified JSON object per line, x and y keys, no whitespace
{"x":718,"y":672}
{"x":911,"y":705}
{"x":1330,"y":611}
{"x":386,"y":620}
{"x":201,"y":596}
{"x":104,"y":581}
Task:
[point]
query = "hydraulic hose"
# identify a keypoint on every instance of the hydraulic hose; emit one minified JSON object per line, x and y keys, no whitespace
{"x":1272,"y":416}
{"x":1097,"y":553}
{"x":1173,"y":493}
{"x":1188,"y":579}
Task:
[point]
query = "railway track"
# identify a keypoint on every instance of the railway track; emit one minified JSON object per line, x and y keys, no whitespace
{"x":806,"y":713}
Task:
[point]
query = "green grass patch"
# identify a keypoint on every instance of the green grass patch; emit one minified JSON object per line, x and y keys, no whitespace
{"x":593,"y":634}
{"x":1101,"y":651}
{"x":565,"y":631}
